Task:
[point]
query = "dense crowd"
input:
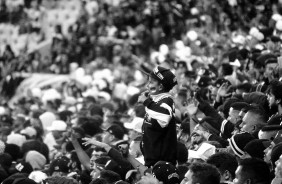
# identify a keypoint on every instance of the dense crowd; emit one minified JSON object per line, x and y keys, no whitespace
{"x":145,"y":92}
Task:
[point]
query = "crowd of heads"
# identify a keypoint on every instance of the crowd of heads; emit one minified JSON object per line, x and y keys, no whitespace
{"x":219,"y":60}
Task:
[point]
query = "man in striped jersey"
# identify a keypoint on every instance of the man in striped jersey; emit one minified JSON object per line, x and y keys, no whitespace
{"x":159,"y":130}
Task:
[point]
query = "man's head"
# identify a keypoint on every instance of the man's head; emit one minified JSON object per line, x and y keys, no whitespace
{"x":98,"y":166}
{"x":113,"y":134}
{"x":110,"y":176}
{"x":226,"y":163}
{"x":274,"y":96}
{"x":252,"y":171}
{"x":161,"y":80}
{"x":60,"y":166}
{"x":198,"y":135}
{"x":201,"y":173}
{"x":238,"y":141}
{"x":234,"y":111}
{"x":278,"y":168}
{"x":253,"y":120}
{"x":270,"y":65}
{"x":267,"y":153}
{"x":96,"y":153}
{"x":166,"y":173}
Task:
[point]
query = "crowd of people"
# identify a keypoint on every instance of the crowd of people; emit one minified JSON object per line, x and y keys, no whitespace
{"x":155,"y":92}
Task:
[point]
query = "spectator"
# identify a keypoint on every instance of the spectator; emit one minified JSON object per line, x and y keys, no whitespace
{"x":159,"y":116}
{"x":253,"y":170}
{"x":226,"y":164}
{"x":202,"y":173}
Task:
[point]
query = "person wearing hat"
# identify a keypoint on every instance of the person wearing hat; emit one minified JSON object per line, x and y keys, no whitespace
{"x":113,"y":149}
{"x":159,"y":128}
{"x":60,"y":166}
{"x":55,"y":137}
{"x":113,"y":135}
{"x":166,"y":173}
{"x":255,"y":148}
{"x":238,"y":142}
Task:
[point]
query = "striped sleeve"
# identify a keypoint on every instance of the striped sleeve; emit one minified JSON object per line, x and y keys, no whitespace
{"x":162,"y":111}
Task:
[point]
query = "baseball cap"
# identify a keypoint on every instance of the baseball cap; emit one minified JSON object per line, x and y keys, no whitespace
{"x":166,"y":172}
{"x":164,"y":76}
{"x":239,"y":141}
{"x":204,"y":81}
{"x":221,"y":81}
{"x":203,"y":152}
{"x":116,"y":130}
{"x":24,"y":167}
{"x":61,"y":164}
{"x":58,"y":125}
{"x":29,"y":131}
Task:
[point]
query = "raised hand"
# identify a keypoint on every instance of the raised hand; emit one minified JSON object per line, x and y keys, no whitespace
{"x":223,"y":90}
{"x":92,"y":141}
{"x":192,"y":106}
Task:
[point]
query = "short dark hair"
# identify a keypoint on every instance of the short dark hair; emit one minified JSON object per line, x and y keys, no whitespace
{"x":98,"y":181}
{"x":61,"y":180}
{"x":224,"y":161}
{"x":259,"y":113}
{"x":203,"y":173}
{"x":275,"y":88}
{"x":110,"y":176}
{"x":255,"y":169}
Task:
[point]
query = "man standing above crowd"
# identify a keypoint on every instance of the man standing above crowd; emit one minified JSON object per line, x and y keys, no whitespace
{"x":159,"y":128}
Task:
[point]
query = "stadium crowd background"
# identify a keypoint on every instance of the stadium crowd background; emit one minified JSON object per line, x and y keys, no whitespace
{"x":72,"y":69}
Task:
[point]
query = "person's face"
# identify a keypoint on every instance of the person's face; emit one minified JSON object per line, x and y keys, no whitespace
{"x":153,"y":86}
{"x":269,"y":69}
{"x":94,"y":156}
{"x":239,"y":176}
{"x":188,"y":178}
{"x":249,"y":123}
{"x":267,"y":154}
{"x":233,"y":116}
{"x":182,"y":137}
{"x":278,"y":168}
{"x":213,"y":90}
{"x":95,"y":173}
{"x":271,"y":100}
{"x":241,"y":115}
{"x":198,"y":135}
{"x":107,"y":137}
